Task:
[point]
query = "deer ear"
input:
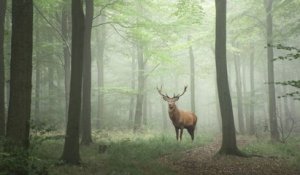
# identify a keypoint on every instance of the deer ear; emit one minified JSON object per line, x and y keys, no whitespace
{"x":165,"y":98}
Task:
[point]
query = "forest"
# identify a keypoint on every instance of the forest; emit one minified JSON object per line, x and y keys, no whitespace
{"x":149,"y":87}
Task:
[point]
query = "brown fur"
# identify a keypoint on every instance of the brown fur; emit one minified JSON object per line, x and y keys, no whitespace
{"x":180,"y":119}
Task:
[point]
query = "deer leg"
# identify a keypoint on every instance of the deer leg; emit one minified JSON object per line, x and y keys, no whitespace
{"x":181,"y":131}
{"x":176,"y":130}
{"x":191,"y":132}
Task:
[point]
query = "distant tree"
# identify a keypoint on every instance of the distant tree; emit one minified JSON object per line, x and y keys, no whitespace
{"x":272,"y":100}
{"x":228,"y":129}
{"x":86,"y":136}
{"x":252,"y":92}
{"x":70,"y":153}
{"x":141,"y":85}
{"x":241,"y":120}
{"x":2,"y":77}
{"x":65,"y":30}
{"x":192,"y":76}
{"x":101,"y":41}
{"x":20,"y":76}
{"x":37,"y":69}
{"x":133,"y":76}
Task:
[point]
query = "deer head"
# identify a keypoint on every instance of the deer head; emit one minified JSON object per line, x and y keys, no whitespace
{"x":171,"y":100}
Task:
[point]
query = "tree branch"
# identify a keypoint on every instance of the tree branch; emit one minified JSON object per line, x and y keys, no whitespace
{"x":57,"y":30}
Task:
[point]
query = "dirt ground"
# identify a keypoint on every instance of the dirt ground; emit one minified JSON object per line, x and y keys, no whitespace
{"x":202,"y":161}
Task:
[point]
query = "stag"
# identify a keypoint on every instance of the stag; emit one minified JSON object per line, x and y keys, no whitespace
{"x":180,"y":119}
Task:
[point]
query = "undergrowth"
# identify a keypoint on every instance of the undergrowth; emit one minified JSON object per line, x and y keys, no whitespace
{"x":128,"y":153}
{"x":289,"y":150}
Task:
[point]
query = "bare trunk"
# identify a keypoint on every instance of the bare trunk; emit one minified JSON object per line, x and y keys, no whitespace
{"x":86,"y":137}
{"x":164,"y":111}
{"x":131,"y":106}
{"x":239,"y":95}
{"x":70,"y":153}
{"x":228,"y":129}
{"x":145,"y":109}
{"x":37,"y":73}
{"x":65,"y":18}
{"x":252,"y":93}
{"x":21,"y":71}
{"x":100,"y":67}
{"x":272,"y":100}
{"x":140,"y":96}
{"x":192,"y":76}
{"x":2,"y":72}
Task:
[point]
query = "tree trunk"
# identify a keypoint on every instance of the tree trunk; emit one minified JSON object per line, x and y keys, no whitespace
{"x":145,"y":109}
{"x":2,"y":72}
{"x":140,"y":96}
{"x":239,"y":95}
{"x":272,"y":100}
{"x":228,"y":129}
{"x":37,"y":73}
{"x":252,"y":93}
{"x":20,"y":76}
{"x":246,"y":109}
{"x":51,"y":90}
{"x":70,"y":153}
{"x":164,"y":110}
{"x":192,"y":76}
{"x":100,"y":67}
{"x":65,"y":18}
{"x":86,"y":137}
{"x":131,"y":106}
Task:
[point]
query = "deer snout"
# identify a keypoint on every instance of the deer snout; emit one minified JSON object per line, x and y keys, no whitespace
{"x":171,"y":105}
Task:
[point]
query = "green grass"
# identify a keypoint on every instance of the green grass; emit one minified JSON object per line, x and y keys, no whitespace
{"x":127,"y":153}
{"x":289,"y":150}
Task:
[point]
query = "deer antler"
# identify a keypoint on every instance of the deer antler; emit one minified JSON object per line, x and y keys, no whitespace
{"x":179,"y":95}
{"x":159,"y":91}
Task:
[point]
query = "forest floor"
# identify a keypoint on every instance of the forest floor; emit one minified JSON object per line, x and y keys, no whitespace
{"x":151,"y":153}
{"x":202,"y":161}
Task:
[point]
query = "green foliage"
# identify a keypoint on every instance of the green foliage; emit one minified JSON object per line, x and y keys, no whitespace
{"x":189,"y":11}
{"x":289,"y":150}
{"x":295,"y":52}
{"x":21,"y":161}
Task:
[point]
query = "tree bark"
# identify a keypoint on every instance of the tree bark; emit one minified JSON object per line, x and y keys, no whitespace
{"x":20,"y":76}
{"x":70,"y":153}
{"x":228,"y":129}
{"x":86,"y":137}
{"x":192,"y":76}
{"x":272,"y":100}
{"x":2,"y":72}
{"x":100,"y":67}
{"x":239,"y":94}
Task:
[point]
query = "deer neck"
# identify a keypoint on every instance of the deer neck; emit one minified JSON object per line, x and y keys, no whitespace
{"x":174,"y":113}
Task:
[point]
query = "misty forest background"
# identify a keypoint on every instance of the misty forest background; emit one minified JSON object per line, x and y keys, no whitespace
{"x":121,"y":51}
